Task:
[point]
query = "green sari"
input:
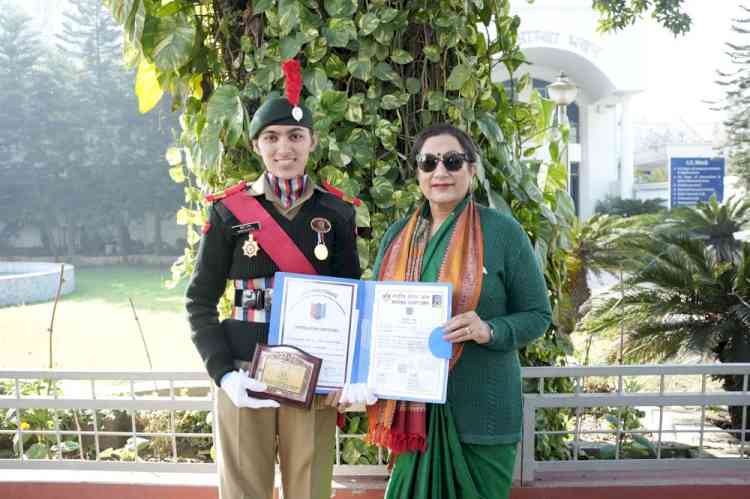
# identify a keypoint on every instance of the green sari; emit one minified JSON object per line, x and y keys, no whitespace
{"x":449,"y":469}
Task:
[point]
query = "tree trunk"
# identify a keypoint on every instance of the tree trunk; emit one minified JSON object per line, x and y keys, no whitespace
{"x":123,"y":236}
{"x":69,"y":235}
{"x":48,"y":240}
{"x":736,"y":351}
{"x":158,"y":238}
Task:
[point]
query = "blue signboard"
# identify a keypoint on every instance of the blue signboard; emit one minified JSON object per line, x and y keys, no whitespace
{"x":695,"y":179}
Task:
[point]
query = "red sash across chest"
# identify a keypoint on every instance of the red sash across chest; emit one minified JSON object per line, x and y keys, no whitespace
{"x":271,"y":237}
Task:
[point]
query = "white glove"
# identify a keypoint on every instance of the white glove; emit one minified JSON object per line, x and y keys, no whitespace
{"x":357,"y":393}
{"x":235,"y":384}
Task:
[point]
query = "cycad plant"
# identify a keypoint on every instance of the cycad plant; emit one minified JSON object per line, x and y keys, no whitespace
{"x":685,"y":299}
{"x":716,"y":223}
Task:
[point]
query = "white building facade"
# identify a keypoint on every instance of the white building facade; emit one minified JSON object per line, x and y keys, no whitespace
{"x":560,"y":36}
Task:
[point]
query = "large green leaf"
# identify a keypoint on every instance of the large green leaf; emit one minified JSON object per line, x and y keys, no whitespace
{"x":339,"y":32}
{"x":362,"y":214}
{"x":386,"y":132}
{"x":413,"y":85}
{"x":360,"y":68}
{"x":385,"y":72}
{"x":491,"y":130}
{"x":131,"y":15}
{"x":316,"y":50}
{"x":316,"y":81}
{"x":260,"y":6}
{"x":390,"y":101}
{"x":354,"y":112}
{"x":401,"y":56}
{"x":498,"y":202}
{"x":382,"y":192}
{"x":169,"y":41}
{"x":566,"y":210}
{"x":289,"y":16}
{"x":432,"y":53}
{"x":341,"y":8}
{"x":211,"y":148}
{"x":225,"y":109}
{"x":334,"y":103}
{"x":335,"y":67}
{"x":369,"y":23}
{"x":384,"y":35}
{"x":38,"y":451}
{"x":361,"y":143}
{"x":387,"y":15}
{"x":291,"y":45}
{"x":460,"y":74}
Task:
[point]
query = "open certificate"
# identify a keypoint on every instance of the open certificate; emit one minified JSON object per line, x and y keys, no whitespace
{"x":318,"y":315}
{"x":386,"y":334}
{"x":408,"y":357}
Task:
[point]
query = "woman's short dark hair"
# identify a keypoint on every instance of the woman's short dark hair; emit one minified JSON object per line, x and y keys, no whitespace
{"x":445,"y":129}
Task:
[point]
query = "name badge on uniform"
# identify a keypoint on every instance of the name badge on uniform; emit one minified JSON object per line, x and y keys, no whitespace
{"x":321,"y":226}
{"x":246,"y":228}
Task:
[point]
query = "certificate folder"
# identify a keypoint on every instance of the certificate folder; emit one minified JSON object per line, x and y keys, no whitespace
{"x":385,"y":334}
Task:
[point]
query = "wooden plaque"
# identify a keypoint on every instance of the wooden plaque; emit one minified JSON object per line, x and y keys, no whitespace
{"x":290,"y":374}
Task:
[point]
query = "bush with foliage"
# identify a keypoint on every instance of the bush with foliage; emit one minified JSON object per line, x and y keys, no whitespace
{"x":376,"y":73}
{"x":688,"y":291}
{"x":615,"y":205}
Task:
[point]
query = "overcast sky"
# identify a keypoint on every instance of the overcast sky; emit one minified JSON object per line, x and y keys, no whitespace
{"x":680,"y":71}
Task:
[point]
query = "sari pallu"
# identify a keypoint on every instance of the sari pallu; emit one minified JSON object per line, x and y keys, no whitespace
{"x":430,"y":461}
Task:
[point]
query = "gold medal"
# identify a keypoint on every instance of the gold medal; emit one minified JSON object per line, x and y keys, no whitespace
{"x":321,"y":252}
{"x":320,"y":226}
{"x":250,"y":247}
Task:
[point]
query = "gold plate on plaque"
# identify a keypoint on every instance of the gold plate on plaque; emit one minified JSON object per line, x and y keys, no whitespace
{"x":290,"y":374}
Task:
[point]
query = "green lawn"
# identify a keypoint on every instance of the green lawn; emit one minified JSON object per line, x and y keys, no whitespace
{"x":95,"y":327}
{"x":115,"y":284}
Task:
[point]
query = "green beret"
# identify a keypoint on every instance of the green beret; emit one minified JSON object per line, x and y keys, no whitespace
{"x":278,"y":111}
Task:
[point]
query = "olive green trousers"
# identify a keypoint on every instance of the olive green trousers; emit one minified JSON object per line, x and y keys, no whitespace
{"x":250,"y":439}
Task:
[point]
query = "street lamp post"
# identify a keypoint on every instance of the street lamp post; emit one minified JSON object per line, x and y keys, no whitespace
{"x":563,"y":92}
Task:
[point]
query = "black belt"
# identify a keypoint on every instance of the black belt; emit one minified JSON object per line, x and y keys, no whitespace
{"x":256,"y":299}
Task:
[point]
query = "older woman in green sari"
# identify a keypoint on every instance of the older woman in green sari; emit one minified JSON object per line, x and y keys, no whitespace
{"x":464,"y":449}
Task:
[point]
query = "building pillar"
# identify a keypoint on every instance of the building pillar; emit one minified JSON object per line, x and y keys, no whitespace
{"x":627,"y":147}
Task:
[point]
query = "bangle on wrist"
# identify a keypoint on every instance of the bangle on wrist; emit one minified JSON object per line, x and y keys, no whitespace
{"x":492,"y":332}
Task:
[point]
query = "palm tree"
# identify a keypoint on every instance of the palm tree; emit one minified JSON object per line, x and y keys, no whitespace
{"x":597,"y":248}
{"x":686,"y":299}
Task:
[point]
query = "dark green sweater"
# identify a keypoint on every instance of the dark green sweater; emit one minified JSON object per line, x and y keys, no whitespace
{"x":484,"y":388}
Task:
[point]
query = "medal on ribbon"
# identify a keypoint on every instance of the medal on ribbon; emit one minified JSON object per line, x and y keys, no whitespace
{"x":321,"y":226}
{"x":250,"y":247}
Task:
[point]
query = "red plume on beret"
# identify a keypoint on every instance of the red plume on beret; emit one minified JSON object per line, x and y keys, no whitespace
{"x":293,"y":76}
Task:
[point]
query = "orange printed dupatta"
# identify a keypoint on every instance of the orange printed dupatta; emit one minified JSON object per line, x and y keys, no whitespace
{"x":399,"y":425}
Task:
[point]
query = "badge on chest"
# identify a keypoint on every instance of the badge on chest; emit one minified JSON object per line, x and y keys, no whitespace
{"x":321,"y":226}
{"x":250,"y":247}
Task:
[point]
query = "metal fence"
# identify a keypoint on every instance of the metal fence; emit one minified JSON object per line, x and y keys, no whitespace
{"x":172,"y":393}
{"x":621,"y":400}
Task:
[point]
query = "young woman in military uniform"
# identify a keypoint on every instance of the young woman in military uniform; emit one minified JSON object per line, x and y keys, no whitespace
{"x":315,"y":225}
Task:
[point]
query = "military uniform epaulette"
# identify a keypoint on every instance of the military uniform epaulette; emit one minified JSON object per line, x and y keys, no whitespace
{"x":341,"y":194}
{"x":226,"y":192}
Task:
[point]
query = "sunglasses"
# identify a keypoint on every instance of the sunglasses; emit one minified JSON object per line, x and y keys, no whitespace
{"x":452,"y":161}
